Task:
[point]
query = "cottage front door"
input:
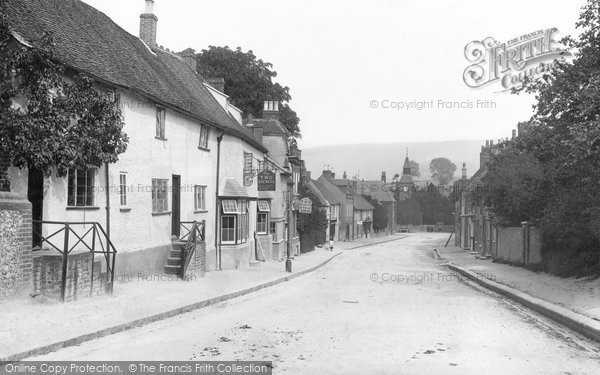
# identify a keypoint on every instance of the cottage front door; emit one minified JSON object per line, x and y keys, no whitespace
{"x":35,"y":194}
{"x":176,"y":212}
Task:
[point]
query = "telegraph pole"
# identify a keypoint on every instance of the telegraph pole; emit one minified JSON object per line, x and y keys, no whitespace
{"x":288,"y":260}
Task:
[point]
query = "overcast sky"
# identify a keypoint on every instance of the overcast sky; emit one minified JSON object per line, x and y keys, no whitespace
{"x":339,"y":56}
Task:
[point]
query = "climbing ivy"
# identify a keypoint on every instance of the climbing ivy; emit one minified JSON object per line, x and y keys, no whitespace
{"x":51,"y":117}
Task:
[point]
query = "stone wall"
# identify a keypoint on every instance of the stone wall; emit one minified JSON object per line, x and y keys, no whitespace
{"x":535,"y":247}
{"x":47,"y":275}
{"x":15,"y":244}
{"x":511,"y":246}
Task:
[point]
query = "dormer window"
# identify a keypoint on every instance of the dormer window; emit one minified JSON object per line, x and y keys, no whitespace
{"x":161,"y":116}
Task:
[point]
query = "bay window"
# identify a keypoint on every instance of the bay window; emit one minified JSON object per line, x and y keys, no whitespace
{"x":234,"y":221}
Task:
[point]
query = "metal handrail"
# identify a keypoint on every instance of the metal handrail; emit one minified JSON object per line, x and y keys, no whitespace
{"x":99,"y":236}
{"x":194,"y":235}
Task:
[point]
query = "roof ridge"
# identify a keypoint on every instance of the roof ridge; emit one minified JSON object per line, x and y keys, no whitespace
{"x":88,"y":40}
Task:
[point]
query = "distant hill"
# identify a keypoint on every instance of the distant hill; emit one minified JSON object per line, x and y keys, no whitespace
{"x":369,"y":160}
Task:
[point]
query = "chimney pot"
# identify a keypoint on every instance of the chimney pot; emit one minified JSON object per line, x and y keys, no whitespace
{"x":329,"y":175}
{"x":149,"y":7}
{"x":271,"y":110}
{"x":514,"y":133}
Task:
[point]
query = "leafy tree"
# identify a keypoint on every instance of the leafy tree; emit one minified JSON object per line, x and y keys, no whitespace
{"x":46,"y":123}
{"x":434,"y":206}
{"x":442,"y":170}
{"x":549,"y":174}
{"x":311,"y":227}
{"x":409,"y":212}
{"x":380,"y":213}
{"x":414,"y":168}
{"x":249,"y":82}
{"x":514,"y":186}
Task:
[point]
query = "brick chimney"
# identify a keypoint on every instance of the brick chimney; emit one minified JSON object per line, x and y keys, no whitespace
{"x":148,"y":25}
{"x":254,"y":128}
{"x":189,"y":56}
{"x":383,"y":177}
{"x":464,"y":171}
{"x":329,"y":175}
{"x":216,"y":82}
{"x":345,"y":176}
{"x":486,"y":154}
{"x":271,"y":110}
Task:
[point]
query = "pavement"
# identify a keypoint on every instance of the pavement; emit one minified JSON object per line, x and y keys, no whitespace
{"x":35,"y":326}
{"x":391,"y":308}
{"x":570,"y":301}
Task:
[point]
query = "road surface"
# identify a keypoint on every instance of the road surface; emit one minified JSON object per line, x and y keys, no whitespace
{"x":385,"y":309}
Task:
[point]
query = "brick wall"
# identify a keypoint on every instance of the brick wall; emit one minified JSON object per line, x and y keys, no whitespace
{"x":47,"y":275}
{"x":15,"y":244}
{"x":4,"y":165}
{"x":198,"y":262}
{"x":148,"y":25}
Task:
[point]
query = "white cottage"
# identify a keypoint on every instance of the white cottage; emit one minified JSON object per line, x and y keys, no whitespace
{"x":188,"y":155}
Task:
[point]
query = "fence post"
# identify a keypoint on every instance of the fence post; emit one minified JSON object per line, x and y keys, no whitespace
{"x":525,"y":231}
{"x":93,"y":253}
{"x":63,"y":284}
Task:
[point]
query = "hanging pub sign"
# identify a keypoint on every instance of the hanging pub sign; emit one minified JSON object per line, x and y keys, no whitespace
{"x":266,"y":181}
{"x":305,"y":206}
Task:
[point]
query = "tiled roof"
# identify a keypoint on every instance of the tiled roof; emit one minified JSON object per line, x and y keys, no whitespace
{"x":89,"y":41}
{"x":317,"y":193}
{"x":233,"y":189}
{"x":376,"y":189}
{"x":330,"y":191}
{"x":360,"y":203}
{"x":477,"y":178}
{"x":269,"y":126}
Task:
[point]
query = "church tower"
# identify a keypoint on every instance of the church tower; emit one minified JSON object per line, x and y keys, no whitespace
{"x":406,"y":184}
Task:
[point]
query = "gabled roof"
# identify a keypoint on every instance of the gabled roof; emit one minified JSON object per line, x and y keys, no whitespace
{"x":89,"y":41}
{"x":233,"y":189}
{"x":269,"y":126}
{"x":360,"y":203}
{"x":477,"y":178}
{"x":317,"y":193}
{"x":376,"y":189}
{"x":330,"y":191}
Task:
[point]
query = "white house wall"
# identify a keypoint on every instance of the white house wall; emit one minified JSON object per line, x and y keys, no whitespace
{"x":135,"y":228}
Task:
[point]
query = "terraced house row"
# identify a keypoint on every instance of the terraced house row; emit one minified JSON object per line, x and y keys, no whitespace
{"x":184,"y":196}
